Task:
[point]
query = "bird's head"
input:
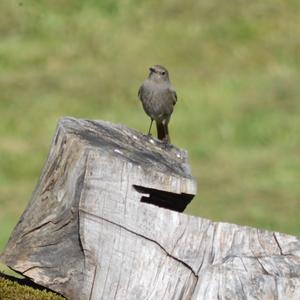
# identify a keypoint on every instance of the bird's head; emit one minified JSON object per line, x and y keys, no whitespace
{"x":158,"y":73}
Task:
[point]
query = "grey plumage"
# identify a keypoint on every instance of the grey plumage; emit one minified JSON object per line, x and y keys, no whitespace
{"x":158,"y":98}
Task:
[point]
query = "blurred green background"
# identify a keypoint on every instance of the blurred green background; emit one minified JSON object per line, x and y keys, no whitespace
{"x":235,"y":65}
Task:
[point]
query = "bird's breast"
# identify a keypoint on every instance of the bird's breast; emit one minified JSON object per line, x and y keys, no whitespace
{"x":157,"y":100}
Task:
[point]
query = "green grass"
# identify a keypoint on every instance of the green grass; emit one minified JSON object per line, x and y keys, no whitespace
{"x":235,"y":65}
{"x":11,"y":290}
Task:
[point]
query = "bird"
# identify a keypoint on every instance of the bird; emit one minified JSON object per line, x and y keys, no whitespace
{"x":158,"y":98}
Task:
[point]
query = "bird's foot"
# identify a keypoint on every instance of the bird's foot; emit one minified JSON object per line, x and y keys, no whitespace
{"x":166,"y":143}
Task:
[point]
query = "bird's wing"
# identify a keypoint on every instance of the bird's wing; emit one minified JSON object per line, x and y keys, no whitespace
{"x":140,"y":92}
{"x":174,"y":95}
{"x":145,"y":93}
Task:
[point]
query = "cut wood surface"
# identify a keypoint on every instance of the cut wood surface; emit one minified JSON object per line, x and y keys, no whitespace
{"x":104,"y":223}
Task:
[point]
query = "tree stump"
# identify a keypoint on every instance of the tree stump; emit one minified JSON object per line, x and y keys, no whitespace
{"x":104,"y":223}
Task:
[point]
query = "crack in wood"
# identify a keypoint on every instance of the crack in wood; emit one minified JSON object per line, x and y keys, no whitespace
{"x":277,"y":242}
{"x":142,"y":236}
{"x":265,"y":271}
{"x":37,"y":228}
{"x":93,"y":283}
{"x":36,"y":267}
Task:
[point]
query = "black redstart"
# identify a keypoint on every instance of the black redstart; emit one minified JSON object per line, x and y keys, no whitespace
{"x":158,"y":98}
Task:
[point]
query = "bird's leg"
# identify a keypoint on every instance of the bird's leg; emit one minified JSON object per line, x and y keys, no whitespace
{"x":149,"y":131}
{"x":166,"y":137}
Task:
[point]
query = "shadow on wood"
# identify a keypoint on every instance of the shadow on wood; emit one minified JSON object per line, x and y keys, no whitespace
{"x":91,"y":230}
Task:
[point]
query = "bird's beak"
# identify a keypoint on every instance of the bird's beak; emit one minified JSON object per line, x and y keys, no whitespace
{"x":151,"y":69}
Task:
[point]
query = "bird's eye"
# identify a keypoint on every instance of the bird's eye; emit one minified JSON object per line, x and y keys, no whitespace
{"x":163,"y":73}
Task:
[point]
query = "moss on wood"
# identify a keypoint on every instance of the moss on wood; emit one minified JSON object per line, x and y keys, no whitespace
{"x":12,"y":290}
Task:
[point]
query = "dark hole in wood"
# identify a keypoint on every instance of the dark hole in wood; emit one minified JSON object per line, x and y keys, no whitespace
{"x":173,"y":201}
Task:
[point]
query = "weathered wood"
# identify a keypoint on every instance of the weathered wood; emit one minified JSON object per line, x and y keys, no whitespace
{"x":89,"y":233}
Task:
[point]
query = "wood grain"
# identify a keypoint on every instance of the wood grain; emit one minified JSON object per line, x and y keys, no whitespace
{"x":89,"y":233}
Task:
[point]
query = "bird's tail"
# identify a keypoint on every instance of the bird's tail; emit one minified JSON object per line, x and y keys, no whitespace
{"x":163,"y":132}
